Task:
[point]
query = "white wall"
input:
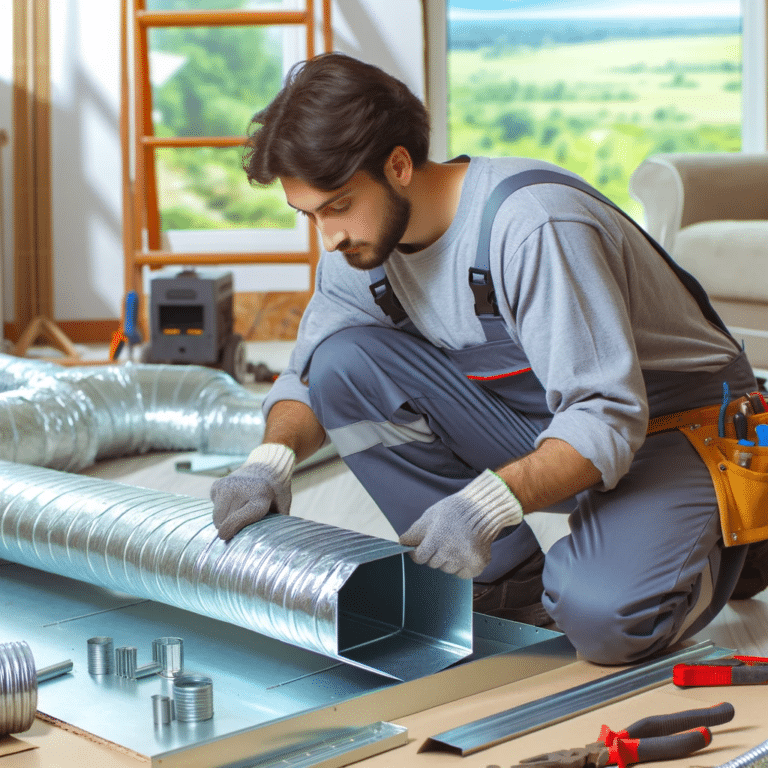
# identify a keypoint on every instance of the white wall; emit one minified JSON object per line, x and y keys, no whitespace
{"x":6,"y":76}
{"x":86,"y":162}
{"x":86,"y":169}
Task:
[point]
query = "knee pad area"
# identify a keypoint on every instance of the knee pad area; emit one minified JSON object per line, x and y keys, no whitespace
{"x":603,"y":626}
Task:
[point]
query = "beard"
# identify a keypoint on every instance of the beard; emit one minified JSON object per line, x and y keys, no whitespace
{"x":367,"y":256}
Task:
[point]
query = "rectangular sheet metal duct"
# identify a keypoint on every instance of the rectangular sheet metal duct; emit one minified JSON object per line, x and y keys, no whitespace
{"x":336,"y":592}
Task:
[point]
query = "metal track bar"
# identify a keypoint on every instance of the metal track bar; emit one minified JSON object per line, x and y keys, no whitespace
{"x":507,"y":725}
{"x":351,"y":745}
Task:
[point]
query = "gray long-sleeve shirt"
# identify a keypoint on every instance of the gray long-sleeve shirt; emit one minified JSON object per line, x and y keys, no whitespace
{"x":584,"y":294}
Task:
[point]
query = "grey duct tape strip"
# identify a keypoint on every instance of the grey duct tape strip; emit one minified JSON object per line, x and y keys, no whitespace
{"x":504,"y":726}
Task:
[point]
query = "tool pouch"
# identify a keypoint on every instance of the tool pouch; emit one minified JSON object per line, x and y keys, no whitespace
{"x":739,"y":472}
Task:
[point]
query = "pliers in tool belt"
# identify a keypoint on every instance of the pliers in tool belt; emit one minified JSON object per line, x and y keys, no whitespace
{"x":661,"y":737}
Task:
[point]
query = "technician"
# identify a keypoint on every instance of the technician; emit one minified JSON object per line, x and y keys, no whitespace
{"x":476,"y":355}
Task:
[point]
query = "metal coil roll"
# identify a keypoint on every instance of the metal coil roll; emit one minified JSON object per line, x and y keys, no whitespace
{"x":100,"y":655}
{"x":18,"y":688}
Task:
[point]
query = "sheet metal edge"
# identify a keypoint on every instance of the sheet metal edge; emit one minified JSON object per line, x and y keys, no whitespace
{"x":350,"y":746}
{"x":389,"y":703}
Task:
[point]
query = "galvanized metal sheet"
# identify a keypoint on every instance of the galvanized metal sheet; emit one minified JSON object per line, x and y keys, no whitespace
{"x":268,"y":696}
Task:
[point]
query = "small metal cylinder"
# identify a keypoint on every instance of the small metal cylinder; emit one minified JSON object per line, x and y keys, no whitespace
{"x":168,"y":652}
{"x":193,"y":698}
{"x":125,"y":661}
{"x":55,"y":670}
{"x":147,"y":670}
{"x":100,"y":655}
{"x":162,"y":709}
{"x":18,"y":688}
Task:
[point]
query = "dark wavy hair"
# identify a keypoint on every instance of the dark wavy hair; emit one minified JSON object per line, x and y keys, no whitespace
{"x":335,"y":116}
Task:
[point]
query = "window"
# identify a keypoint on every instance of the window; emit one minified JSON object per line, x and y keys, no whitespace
{"x":210,"y":81}
{"x":593,"y":86}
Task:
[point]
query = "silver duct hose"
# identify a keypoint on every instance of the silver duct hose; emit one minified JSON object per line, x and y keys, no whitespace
{"x":68,"y":418}
{"x":290,"y":579}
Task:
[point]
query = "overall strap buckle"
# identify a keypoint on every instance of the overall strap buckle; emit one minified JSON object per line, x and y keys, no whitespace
{"x":387,"y":300}
{"x":482,"y":289}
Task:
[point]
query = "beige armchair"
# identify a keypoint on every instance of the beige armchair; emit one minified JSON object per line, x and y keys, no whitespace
{"x":710,"y":212}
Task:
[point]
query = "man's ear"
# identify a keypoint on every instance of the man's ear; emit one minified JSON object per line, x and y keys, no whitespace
{"x":399,"y":167}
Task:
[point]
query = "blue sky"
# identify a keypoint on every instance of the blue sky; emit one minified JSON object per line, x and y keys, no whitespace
{"x":458,"y":9}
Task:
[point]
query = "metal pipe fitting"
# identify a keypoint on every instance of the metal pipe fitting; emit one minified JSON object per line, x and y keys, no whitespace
{"x":55,"y":670}
{"x":162,"y":709}
{"x":146,"y":670}
{"x":193,"y":698}
{"x":125,"y":661}
{"x":168,"y":652}
{"x":100,"y":655}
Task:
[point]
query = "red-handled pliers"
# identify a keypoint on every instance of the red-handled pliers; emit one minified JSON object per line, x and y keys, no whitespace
{"x":661,"y":737}
{"x":740,"y":670}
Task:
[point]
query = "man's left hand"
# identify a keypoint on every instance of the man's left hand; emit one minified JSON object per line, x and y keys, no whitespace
{"x":455,"y":534}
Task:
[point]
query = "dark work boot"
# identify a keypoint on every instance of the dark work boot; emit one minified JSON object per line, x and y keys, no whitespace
{"x":754,"y":574}
{"x":516,"y":595}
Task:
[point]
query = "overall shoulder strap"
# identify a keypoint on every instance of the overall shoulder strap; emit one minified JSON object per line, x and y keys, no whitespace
{"x":480,"y":276}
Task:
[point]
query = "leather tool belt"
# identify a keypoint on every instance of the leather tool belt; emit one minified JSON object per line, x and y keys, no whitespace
{"x":739,"y":472}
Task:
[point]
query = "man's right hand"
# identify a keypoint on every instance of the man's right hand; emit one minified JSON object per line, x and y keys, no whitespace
{"x":260,"y":486}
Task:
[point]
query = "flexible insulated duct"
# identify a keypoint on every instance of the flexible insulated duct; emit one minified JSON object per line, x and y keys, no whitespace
{"x":339,"y":593}
{"x":68,"y":418}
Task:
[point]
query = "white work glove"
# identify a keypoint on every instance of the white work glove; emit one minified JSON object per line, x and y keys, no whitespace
{"x":455,"y":534}
{"x":261,"y":485}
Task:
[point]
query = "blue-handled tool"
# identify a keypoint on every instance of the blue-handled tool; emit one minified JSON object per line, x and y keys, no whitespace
{"x":723,"y":407}
{"x":129,"y":334}
{"x":131,"y":330}
{"x":761,"y":431}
